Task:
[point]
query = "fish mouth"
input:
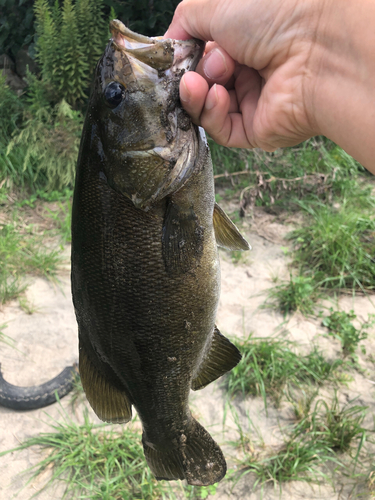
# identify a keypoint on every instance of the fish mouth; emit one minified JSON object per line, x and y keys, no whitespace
{"x":158,"y":53}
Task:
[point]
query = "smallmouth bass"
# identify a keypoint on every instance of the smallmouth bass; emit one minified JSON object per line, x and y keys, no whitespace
{"x":145,"y":267}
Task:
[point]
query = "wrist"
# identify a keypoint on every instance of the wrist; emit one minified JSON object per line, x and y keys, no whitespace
{"x":340,"y":87}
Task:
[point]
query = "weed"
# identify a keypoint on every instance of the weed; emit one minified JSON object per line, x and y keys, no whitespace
{"x":340,"y":326}
{"x":199,"y":492}
{"x":50,"y":139}
{"x":298,"y":294}
{"x":334,"y":426}
{"x":26,"y":306}
{"x":10,"y":287}
{"x":22,"y":253}
{"x":301,"y":399}
{"x":60,"y":196}
{"x":269,"y":365}
{"x":95,"y":463}
{"x":336,"y":249}
{"x":295,"y":461}
{"x":77,"y":394}
{"x":317,"y":438}
{"x":4,"y":338}
{"x":63,"y":220}
{"x":239,"y":257}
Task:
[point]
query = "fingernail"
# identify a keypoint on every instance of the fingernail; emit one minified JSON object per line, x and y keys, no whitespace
{"x":215,"y":65}
{"x":212,"y":98}
{"x":184,"y":92}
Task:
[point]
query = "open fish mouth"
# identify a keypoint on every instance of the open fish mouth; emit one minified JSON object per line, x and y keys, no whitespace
{"x":161,"y":54}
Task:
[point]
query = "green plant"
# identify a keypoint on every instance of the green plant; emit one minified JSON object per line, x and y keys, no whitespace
{"x":22,"y":253}
{"x":340,"y":326}
{"x":95,"y":463}
{"x":268,"y":366}
{"x":298,"y":294}
{"x":27,"y":306}
{"x":317,"y":438}
{"x":295,"y":461}
{"x":63,"y":220}
{"x":10,"y":286}
{"x":16,"y":25}
{"x":11,"y":114}
{"x":4,"y":338}
{"x":50,"y":140}
{"x":336,"y":249}
{"x":69,"y":43}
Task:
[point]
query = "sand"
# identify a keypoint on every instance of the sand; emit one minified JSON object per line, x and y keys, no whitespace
{"x":46,"y":342}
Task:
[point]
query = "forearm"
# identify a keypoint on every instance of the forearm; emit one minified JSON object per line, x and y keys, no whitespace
{"x":343,"y":94}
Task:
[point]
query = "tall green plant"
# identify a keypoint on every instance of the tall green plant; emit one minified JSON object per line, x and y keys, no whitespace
{"x":70,"y":41}
{"x":50,"y":140}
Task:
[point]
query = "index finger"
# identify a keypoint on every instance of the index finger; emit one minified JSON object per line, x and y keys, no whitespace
{"x":192,"y":20}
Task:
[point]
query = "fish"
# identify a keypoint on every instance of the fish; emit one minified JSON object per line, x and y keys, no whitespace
{"x":145,"y":268}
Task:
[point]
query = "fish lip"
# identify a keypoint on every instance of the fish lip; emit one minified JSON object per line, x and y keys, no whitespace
{"x":157,"y":52}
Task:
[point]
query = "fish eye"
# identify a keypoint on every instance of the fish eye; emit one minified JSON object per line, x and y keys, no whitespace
{"x":113,"y":94}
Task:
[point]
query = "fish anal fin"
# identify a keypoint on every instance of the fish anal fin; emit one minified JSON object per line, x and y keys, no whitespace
{"x":198,"y":458}
{"x":222,"y":357}
{"x":226,"y":232}
{"x":108,"y":402}
{"x":182,"y":239}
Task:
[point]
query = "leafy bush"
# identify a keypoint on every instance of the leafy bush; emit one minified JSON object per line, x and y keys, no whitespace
{"x":69,"y":44}
{"x":50,"y":140}
{"x":11,"y":113}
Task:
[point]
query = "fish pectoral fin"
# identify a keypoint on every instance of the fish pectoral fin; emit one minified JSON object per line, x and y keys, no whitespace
{"x":226,"y":232}
{"x":222,"y":357}
{"x":197,"y":458}
{"x":108,"y":402}
{"x":182,"y":239}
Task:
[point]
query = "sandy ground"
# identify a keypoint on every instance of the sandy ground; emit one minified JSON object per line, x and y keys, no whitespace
{"x":46,"y":342}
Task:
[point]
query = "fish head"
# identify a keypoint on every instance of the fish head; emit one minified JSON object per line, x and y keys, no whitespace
{"x":148,"y":142}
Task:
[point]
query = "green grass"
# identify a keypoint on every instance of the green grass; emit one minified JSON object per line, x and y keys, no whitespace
{"x":300,"y":293}
{"x":340,"y":326}
{"x":324,"y":435}
{"x":94,"y":462}
{"x":62,"y":220}
{"x":268,"y":366}
{"x":5,"y":339}
{"x":336,"y":248}
{"x":23,"y":251}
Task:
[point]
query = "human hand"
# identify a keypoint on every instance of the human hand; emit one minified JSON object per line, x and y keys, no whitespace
{"x":252,"y":87}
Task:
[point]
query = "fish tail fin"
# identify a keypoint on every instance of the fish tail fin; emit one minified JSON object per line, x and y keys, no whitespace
{"x":198,"y":459}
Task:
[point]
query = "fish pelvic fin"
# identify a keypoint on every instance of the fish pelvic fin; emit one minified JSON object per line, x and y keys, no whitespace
{"x":226,"y":232}
{"x":221,"y":357}
{"x":108,"y":402}
{"x":198,"y":459}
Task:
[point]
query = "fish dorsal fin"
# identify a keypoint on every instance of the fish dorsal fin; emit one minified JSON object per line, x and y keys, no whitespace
{"x":222,"y":357}
{"x":182,"y":239}
{"x":109,"y":403}
{"x":226,"y":233}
